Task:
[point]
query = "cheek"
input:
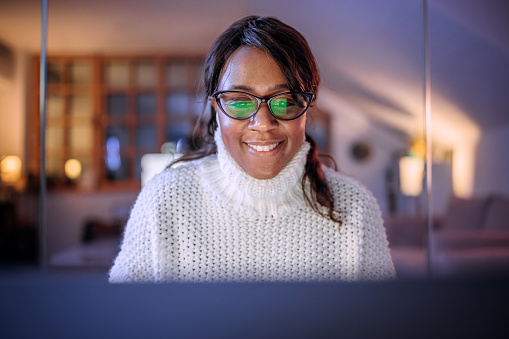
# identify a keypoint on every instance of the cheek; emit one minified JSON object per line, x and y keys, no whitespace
{"x":231,"y":131}
{"x":224,"y":121}
{"x":298,"y":130}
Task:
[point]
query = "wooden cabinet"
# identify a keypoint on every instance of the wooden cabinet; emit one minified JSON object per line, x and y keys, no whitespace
{"x":107,"y":112}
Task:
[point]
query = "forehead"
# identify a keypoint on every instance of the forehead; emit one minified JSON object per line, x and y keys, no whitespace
{"x":251,"y":67}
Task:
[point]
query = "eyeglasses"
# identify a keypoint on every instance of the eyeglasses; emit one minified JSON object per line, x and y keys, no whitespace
{"x":284,"y":106}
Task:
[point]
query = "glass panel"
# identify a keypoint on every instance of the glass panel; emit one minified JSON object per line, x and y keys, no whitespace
{"x":117,"y":73}
{"x":80,"y":106}
{"x":118,"y":132}
{"x":55,"y":105}
{"x":177,"y":103}
{"x":54,"y":167}
{"x":177,"y":73}
{"x":80,"y":72}
{"x":470,"y":128}
{"x":116,"y":140}
{"x":84,"y":159}
{"x":81,"y":139}
{"x":54,"y":137}
{"x":175,"y":132}
{"x":54,"y":72}
{"x":84,"y":173}
{"x":146,"y":74}
{"x":117,"y":104}
{"x":116,"y":168}
{"x":86,"y":163}
{"x":146,"y":104}
{"x":146,"y":136}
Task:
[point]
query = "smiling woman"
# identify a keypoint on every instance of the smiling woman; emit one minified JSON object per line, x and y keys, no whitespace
{"x":254,"y":203}
{"x":261,"y":143}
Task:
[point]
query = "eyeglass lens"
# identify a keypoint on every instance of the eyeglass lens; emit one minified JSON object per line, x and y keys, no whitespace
{"x":242,"y":106}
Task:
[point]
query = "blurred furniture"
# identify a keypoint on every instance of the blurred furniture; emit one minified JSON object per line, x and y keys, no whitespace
{"x":97,"y":229}
{"x":470,"y":241}
{"x":407,"y":241}
{"x":99,"y":247}
{"x":99,"y":253}
{"x":18,"y":233}
{"x":473,"y":240}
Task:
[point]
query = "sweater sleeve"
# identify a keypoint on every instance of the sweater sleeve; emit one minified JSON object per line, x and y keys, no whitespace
{"x":363,"y":218}
{"x":376,"y":262}
{"x":135,"y":261}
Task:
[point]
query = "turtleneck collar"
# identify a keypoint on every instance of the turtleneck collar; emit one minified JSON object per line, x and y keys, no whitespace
{"x":274,"y":196}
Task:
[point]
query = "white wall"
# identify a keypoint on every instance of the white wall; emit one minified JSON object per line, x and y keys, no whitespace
{"x":348,"y":125}
{"x":492,"y":162}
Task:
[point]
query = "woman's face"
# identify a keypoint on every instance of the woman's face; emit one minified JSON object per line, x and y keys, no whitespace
{"x":253,"y":71}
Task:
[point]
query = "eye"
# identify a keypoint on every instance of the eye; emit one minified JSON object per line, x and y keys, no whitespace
{"x":279,"y":106}
{"x":288,"y":105}
{"x":240,"y":108}
{"x":282,"y":103}
{"x":240,"y":103}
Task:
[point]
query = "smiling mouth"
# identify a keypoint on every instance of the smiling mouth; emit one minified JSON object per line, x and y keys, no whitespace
{"x":264,"y":148}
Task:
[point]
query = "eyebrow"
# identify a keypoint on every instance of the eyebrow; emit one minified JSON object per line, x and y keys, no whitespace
{"x":249,"y":88}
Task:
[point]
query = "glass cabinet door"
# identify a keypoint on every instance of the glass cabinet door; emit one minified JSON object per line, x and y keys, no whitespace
{"x":148,"y":102}
{"x":69,"y":107}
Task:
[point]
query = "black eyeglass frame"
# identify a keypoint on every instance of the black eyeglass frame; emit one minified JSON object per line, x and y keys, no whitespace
{"x":307,"y":95}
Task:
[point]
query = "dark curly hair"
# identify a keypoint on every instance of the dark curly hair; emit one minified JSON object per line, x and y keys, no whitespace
{"x":292,"y":53}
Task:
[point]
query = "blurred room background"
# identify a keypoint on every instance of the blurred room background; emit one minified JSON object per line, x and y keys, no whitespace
{"x":124,"y":92}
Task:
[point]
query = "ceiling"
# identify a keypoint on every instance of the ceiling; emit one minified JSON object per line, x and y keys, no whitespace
{"x":369,"y":51}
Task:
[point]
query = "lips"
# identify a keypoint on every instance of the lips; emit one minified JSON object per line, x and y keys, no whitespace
{"x":264,"y":148}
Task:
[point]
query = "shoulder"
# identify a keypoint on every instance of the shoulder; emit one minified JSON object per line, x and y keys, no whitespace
{"x":350,"y":194}
{"x":172,"y":183}
{"x":180,"y":174}
{"x":343,"y":184}
{"x":171,"y":187}
{"x":361,"y":216}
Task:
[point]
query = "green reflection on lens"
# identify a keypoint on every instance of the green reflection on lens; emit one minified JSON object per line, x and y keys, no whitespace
{"x":279,"y":106}
{"x":240,"y":109}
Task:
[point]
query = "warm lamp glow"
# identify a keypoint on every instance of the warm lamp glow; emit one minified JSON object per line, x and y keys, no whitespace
{"x":418,"y":148}
{"x":454,"y":130}
{"x":463,"y":165}
{"x":10,"y":169}
{"x":72,"y":169}
{"x":411,"y":173}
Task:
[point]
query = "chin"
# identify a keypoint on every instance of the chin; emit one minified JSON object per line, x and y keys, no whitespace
{"x":263,"y":174}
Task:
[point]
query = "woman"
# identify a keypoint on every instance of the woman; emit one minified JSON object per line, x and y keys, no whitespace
{"x":254,"y":203}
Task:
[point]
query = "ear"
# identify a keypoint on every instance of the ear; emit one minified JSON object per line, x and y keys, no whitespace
{"x":212,"y":103}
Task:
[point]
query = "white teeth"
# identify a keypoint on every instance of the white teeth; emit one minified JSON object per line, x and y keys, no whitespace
{"x":265,"y":148}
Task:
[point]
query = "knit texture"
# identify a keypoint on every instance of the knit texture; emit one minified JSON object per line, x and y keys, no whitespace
{"x":208,"y":220}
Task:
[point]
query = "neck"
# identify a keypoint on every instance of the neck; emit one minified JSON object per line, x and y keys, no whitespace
{"x":274,"y":196}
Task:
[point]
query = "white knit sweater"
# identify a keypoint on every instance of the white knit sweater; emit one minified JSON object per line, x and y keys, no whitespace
{"x":208,"y":220}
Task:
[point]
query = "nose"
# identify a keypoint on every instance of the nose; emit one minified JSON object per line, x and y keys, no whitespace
{"x":263,"y":120}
